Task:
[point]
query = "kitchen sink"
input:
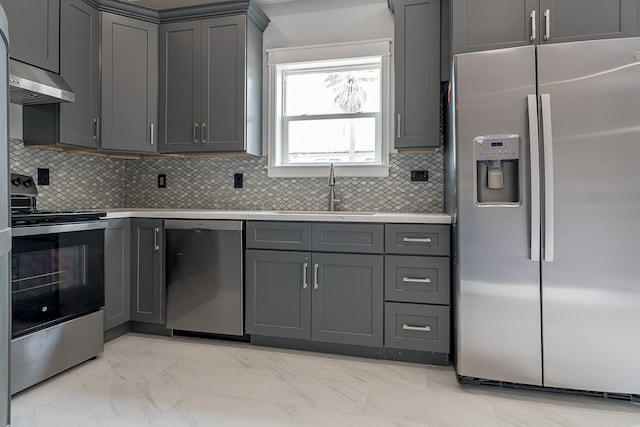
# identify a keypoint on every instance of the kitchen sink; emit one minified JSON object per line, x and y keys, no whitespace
{"x":324,"y":213}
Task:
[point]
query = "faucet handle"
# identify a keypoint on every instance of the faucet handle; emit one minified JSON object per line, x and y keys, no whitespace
{"x":332,"y":175}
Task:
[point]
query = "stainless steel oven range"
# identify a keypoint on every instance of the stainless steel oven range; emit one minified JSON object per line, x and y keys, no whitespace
{"x":57,"y":287}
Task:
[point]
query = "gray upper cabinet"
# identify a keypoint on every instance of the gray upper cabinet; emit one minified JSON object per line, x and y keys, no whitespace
{"x":417,"y":74}
{"x":129,"y":84}
{"x":34,"y":31}
{"x":210,"y":85}
{"x":80,"y":67}
{"x":147,"y":272}
{"x":493,"y":24}
{"x":117,"y":264}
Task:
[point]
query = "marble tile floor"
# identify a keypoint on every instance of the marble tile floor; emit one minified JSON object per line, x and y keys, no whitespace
{"x":148,"y":381}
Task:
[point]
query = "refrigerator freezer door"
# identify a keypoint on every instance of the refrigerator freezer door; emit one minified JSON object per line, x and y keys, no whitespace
{"x":591,"y":292}
{"x":498,"y":285}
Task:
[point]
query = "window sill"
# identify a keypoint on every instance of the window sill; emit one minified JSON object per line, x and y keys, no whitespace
{"x":322,"y":171}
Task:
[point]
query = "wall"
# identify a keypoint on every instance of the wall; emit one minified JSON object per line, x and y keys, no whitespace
{"x":85,"y":181}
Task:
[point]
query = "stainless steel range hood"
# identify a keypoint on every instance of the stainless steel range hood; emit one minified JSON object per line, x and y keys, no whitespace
{"x":30,"y":85}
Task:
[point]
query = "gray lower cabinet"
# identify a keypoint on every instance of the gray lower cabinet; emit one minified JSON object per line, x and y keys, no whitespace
{"x":117,"y":273}
{"x":493,"y":24}
{"x":129,"y":84}
{"x":210,"y":85}
{"x":147,"y":271}
{"x":417,"y":74}
{"x":278,"y":295}
{"x":34,"y":31}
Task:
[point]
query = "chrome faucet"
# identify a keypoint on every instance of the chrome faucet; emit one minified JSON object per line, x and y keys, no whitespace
{"x":333,"y":200}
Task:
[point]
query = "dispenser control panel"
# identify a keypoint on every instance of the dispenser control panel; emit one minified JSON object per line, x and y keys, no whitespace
{"x":497,"y":147}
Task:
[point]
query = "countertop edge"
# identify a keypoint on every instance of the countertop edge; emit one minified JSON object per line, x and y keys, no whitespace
{"x":377,"y":217}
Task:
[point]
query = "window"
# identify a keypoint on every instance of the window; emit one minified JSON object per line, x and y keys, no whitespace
{"x":329,"y":104}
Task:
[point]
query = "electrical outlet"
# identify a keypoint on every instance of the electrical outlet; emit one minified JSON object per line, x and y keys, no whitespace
{"x":43,"y":176}
{"x":237,"y":180}
{"x":162,"y":180}
{"x":419,"y":176}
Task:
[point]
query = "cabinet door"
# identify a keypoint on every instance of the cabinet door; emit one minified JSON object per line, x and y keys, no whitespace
{"x":278,"y":293}
{"x":180,"y":57}
{"x":417,"y":74}
{"x":493,"y":24}
{"x":147,"y":277}
{"x":34,"y":31}
{"x":223,"y":73}
{"x":117,"y":273}
{"x":129,"y":84}
{"x":79,"y":66}
{"x":347,"y":301}
{"x":573,"y":20}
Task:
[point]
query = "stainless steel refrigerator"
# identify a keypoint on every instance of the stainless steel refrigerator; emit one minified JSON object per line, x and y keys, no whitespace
{"x":5,"y":230}
{"x":546,"y":148}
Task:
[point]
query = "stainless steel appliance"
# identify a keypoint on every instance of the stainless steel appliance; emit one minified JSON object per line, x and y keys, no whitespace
{"x":204,"y":278}
{"x":5,"y":230}
{"x":546,"y":153}
{"x":57,"y":287}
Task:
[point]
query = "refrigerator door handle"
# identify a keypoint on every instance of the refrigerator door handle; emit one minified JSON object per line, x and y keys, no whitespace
{"x":547,"y":137}
{"x":534,"y":154}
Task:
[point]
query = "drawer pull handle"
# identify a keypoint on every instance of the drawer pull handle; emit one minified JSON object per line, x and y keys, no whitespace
{"x":417,"y":239}
{"x":416,"y":328}
{"x":305,"y":267}
{"x":416,"y":280}
{"x":315,"y":275}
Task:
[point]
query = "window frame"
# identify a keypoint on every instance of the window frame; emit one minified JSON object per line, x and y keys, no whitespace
{"x":341,"y":56}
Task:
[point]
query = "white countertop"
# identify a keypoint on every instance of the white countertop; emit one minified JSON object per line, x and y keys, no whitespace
{"x":397,"y":217}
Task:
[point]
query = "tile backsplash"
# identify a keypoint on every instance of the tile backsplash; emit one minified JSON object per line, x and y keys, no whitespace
{"x":83,"y":181}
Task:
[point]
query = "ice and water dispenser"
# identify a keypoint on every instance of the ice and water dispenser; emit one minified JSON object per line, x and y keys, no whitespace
{"x":497,"y":169}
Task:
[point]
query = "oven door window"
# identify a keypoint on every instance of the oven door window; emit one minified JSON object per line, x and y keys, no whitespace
{"x":55,"y":277}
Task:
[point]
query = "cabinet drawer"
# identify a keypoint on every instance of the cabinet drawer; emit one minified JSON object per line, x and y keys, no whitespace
{"x":358,"y":238}
{"x":417,"y":239}
{"x":279,"y":235}
{"x":417,"y":327}
{"x":417,"y":279}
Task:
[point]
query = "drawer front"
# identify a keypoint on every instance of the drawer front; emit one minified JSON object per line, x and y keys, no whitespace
{"x":417,"y":239}
{"x":348,"y":237}
{"x":279,"y":235}
{"x":417,"y":327}
{"x":417,"y":279}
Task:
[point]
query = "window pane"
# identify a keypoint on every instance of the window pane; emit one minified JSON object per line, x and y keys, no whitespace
{"x":332,"y":140}
{"x":332,"y":91}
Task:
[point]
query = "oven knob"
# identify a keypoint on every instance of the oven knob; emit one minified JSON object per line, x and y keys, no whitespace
{"x":44,"y":309}
{"x":28,"y":183}
{"x":16,"y":181}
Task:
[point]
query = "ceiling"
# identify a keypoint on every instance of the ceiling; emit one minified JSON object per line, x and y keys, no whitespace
{"x":170,"y":4}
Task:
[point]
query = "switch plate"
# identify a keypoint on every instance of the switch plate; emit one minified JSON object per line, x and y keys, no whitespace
{"x":162,"y":180}
{"x":43,"y":176}
{"x":419,"y":175}
{"x":237,"y":180}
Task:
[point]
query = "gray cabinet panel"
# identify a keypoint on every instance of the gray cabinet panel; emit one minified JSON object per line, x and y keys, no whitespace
{"x":79,"y":66}
{"x":352,"y":237}
{"x":224,"y":80}
{"x":417,"y":239}
{"x":347,"y":301}
{"x":417,"y":74}
{"x":417,"y":327}
{"x":117,"y":273}
{"x":572,"y":20}
{"x":147,"y":272}
{"x":180,"y":88}
{"x":129,"y":84}
{"x":34,"y":31}
{"x":417,"y":279}
{"x":279,"y":235}
{"x":278,"y":293}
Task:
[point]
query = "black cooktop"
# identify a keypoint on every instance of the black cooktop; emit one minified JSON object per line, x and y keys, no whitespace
{"x":24,"y":218}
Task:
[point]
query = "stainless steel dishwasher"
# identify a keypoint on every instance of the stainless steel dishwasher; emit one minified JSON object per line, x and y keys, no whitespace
{"x":204,"y":276}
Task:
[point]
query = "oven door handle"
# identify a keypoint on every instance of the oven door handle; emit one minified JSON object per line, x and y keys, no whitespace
{"x":57,"y":228}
